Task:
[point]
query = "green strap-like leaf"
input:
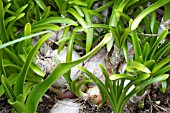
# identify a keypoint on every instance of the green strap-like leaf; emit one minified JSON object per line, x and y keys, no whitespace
{"x":22,"y":38}
{"x":121,"y":76}
{"x":148,"y":10}
{"x":33,"y":66}
{"x":27,"y":31}
{"x":56,"y":20}
{"x":3,"y":32}
{"x":163,"y":86}
{"x":124,"y":37}
{"x":146,"y":50}
{"x":159,"y":65}
{"x":18,"y":87}
{"x":108,"y":4}
{"x":77,"y":16}
{"x":8,"y":90}
{"x":141,"y":86}
{"x":163,"y":70}
{"x":19,"y":104}
{"x":121,"y":6}
{"x":136,"y":44}
{"x":2,"y":70}
{"x":11,"y":79}
{"x":45,"y":27}
{"x":110,"y":84}
{"x":161,"y":50}
{"x":41,"y":4}
{"x":46,"y":13}
{"x":138,"y":66}
{"x":39,"y":90}
{"x":157,"y":42}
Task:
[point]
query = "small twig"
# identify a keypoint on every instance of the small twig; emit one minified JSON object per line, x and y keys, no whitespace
{"x":151,"y":103}
{"x":148,"y":34}
{"x":83,"y":64}
{"x":161,"y":107}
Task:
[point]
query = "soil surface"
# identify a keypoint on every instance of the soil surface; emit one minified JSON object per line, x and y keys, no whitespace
{"x":154,"y":102}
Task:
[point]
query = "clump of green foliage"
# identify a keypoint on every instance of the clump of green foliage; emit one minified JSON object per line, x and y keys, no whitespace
{"x":20,"y":21}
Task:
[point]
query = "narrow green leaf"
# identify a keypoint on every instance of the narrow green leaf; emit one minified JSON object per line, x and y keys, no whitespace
{"x":8,"y":63}
{"x":143,"y":85}
{"x":149,"y":63}
{"x":2,"y":70}
{"x":58,"y":3}
{"x":163,"y":86}
{"x":65,"y":38}
{"x":110,"y":84}
{"x":63,"y":7}
{"x":136,"y":44}
{"x":113,"y":20}
{"x":148,"y":10}
{"x":124,"y":37}
{"x":41,"y":4}
{"x":89,"y":39}
{"x":8,"y":90}
{"x":116,"y":39}
{"x":36,"y":93}
{"x":46,"y":13}
{"x":78,"y":2}
{"x":11,"y":79}
{"x":18,"y":87}
{"x":121,"y":76}
{"x":7,"y":7}
{"x":13,"y":56}
{"x":33,"y":66}
{"x":22,"y":38}
{"x":138,"y":79}
{"x":27,"y":31}
{"x":129,"y":4}
{"x":109,"y":45}
{"x":121,"y":6}
{"x":163,"y":70}
{"x":3,"y":33}
{"x":125,"y":16}
{"x":95,"y":13}
{"x":79,"y":10}
{"x":161,"y":51}
{"x":77,"y":16}
{"x":159,"y":65}
{"x":9,"y":19}
{"x":20,"y":10}
{"x":27,"y":88}
{"x":126,"y":52}
{"x":56,"y":20}
{"x":146,"y":50}
{"x":90,"y":3}
{"x":139,"y":66}
{"x":108,"y":4}
{"x":46,"y":27}
{"x":152,"y":21}
{"x":18,"y":104}
{"x":11,"y":24}
{"x":157,"y":42}
{"x":70,"y":47}
{"x":37,"y":14}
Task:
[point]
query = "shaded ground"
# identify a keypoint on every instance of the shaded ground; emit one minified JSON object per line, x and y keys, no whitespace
{"x":154,"y":102}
